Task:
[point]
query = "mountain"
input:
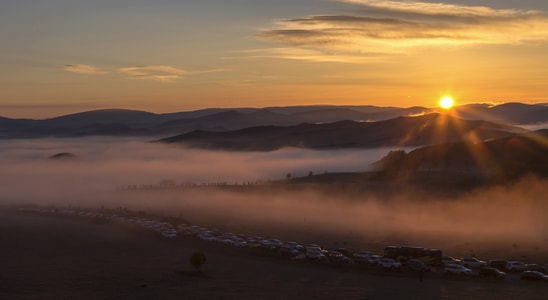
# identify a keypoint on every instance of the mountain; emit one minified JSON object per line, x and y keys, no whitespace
{"x":105,"y":116}
{"x":502,"y":158}
{"x":226,"y":120}
{"x":512,"y":113}
{"x":401,"y":131}
{"x":97,"y":122}
{"x":120,"y":122}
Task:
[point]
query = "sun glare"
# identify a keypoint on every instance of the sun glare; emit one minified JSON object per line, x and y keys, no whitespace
{"x":446,"y":102}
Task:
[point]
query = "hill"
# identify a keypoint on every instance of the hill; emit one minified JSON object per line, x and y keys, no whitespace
{"x":124,"y":122}
{"x":401,"y":131}
{"x":512,"y":113}
{"x":499,"y":159}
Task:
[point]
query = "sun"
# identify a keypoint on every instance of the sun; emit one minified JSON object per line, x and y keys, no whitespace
{"x":446,"y":102}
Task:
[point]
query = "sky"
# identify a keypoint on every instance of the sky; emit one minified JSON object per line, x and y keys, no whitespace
{"x":66,"y":56}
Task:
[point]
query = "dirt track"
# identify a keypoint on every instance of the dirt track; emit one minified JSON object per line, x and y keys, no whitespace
{"x":58,"y":258}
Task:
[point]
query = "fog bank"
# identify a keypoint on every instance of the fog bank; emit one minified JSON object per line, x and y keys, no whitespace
{"x":513,"y":216}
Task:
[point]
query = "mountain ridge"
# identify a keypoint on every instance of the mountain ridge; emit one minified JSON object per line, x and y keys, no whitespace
{"x":119,"y":122}
{"x":400,"y":131}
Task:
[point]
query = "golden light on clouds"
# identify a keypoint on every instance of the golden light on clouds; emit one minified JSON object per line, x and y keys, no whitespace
{"x":84,"y":69}
{"x":159,"y":72}
{"x":153,"y":72}
{"x":440,"y":8}
{"x":391,"y":27}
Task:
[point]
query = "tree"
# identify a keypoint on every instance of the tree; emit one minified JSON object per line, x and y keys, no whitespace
{"x":197,"y":260}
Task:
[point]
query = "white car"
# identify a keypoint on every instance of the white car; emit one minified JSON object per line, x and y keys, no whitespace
{"x":373,"y":259}
{"x":473,"y":263}
{"x":388,"y":263}
{"x":271,"y":244}
{"x":295,"y":245}
{"x":446,"y":260}
{"x":315,"y":253}
{"x":515,"y":266}
{"x":456,"y":269}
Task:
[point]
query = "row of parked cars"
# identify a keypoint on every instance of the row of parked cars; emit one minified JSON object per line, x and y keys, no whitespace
{"x":314,"y":252}
{"x":163,"y":228}
{"x":494,"y":268}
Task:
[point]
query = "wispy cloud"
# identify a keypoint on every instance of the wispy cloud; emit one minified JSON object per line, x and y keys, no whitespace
{"x":312,"y":55}
{"x":84,"y":69}
{"x":390,"y":27}
{"x":162,"y":73}
{"x":439,"y":8}
{"x":155,"y":72}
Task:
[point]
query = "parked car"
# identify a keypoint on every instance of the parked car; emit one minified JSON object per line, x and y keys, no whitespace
{"x":288,"y":250}
{"x":337,"y":257}
{"x":296,"y":245}
{"x":362,"y":257}
{"x":317,"y":246}
{"x":536,"y":267}
{"x":534,"y":275}
{"x":515,"y":266}
{"x":498,"y":263}
{"x":388,"y":263}
{"x":315,"y":253}
{"x":373,"y":259}
{"x":271,"y":244}
{"x":345,"y":252}
{"x":491,"y":272}
{"x":418,"y":265}
{"x":447,"y":260}
{"x":473,"y":263}
{"x":456,"y":269}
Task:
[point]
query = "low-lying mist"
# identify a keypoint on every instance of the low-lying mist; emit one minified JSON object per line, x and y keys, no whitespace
{"x":504,"y":220}
{"x":105,"y":163}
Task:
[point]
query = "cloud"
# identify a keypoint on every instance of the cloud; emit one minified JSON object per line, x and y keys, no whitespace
{"x":162,"y":73}
{"x":312,"y":55}
{"x":440,"y":8}
{"x":154,"y":72}
{"x":84,"y":69}
{"x":392,"y":27}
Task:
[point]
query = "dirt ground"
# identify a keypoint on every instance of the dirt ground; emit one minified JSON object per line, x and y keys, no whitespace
{"x":44,"y":257}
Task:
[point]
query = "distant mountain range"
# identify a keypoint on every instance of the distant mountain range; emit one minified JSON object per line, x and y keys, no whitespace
{"x":121,"y":122}
{"x":400,"y":132}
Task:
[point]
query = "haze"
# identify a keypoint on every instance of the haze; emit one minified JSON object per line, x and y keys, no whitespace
{"x":480,"y":221}
{"x":103,"y":164}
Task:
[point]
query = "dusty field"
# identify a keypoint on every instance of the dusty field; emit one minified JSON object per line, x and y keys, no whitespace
{"x":61,"y":258}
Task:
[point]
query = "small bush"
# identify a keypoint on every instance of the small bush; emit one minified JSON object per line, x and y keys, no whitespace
{"x":197,"y":260}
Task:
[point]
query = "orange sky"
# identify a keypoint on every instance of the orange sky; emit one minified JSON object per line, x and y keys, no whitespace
{"x":65,"y":56}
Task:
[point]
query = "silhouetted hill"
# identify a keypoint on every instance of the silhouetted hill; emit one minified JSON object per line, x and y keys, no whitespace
{"x":225,"y":120}
{"x":328,"y":115}
{"x":513,"y":113}
{"x":97,"y":122}
{"x":119,"y":122}
{"x":401,"y":131}
{"x":503,"y":158}
{"x":105,"y":116}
